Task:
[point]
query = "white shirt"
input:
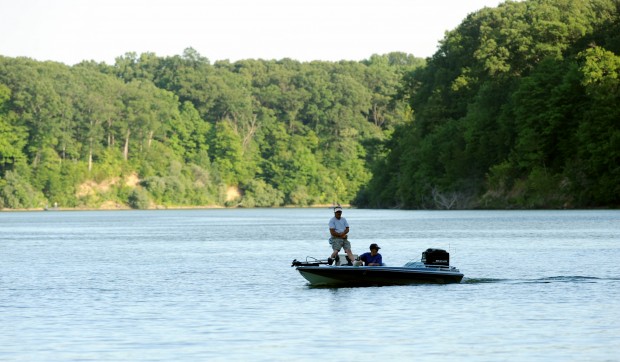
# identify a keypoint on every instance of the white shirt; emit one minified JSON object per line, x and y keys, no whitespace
{"x":338,"y":225}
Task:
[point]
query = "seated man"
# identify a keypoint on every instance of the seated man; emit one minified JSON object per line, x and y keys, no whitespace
{"x":372,"y":258}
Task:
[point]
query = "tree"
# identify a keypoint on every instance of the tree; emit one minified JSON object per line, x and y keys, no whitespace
{"x":599,"y":130}
{"x":12,"y":137}
{"x":501,"y":101}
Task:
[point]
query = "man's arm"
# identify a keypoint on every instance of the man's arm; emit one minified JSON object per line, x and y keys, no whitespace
{"x":339,"y":235}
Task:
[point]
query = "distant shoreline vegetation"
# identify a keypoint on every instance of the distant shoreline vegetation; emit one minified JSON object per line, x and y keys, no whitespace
{"x":154,"y":132}
{"x":517,"y":109}
{"x":125,"y":207}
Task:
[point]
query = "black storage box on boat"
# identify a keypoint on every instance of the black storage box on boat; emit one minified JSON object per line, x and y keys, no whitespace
{"x":436,"y":257}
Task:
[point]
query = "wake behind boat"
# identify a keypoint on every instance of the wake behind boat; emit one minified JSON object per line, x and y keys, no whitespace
{"x":434,"y":267}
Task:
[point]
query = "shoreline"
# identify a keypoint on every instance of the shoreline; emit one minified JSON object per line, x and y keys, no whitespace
{"x":160,"y":207}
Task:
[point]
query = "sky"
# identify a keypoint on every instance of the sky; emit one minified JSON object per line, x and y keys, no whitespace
{"x":71,"y":31}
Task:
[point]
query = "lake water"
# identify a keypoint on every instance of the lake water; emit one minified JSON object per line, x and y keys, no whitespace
{"x":210,"y":285}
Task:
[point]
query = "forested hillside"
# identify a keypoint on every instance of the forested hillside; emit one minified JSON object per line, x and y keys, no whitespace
{"x":519,"y":108}
{"x":155,"y":131}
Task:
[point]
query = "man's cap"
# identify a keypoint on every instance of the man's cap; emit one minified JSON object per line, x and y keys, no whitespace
{"x":374,"y":246}
{"x":337,"y":209}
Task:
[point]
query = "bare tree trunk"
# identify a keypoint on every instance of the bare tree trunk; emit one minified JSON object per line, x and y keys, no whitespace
{"x":452,"y":200}
{"x":442,"y":201}
{"x":249,"y":134}
{"x":110,"y":135}
{"x":90,"y":155}
{"x":126,"y":148}
{"x":378,"y":119}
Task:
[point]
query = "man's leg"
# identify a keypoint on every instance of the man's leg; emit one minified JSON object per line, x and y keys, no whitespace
{"x":334,"y":256}
{"x":347,"y":250}
{"x":349,"y":256}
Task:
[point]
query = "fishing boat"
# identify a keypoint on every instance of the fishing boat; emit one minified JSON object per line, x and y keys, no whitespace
{"x":434,"y":267}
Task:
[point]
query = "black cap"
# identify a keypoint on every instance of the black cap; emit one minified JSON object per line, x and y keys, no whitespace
{"x":374,"y":246}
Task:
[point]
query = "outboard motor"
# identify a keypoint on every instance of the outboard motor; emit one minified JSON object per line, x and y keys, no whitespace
{"x":436,"y":257}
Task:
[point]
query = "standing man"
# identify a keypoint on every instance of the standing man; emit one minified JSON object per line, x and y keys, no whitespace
{"x":339,"y":228}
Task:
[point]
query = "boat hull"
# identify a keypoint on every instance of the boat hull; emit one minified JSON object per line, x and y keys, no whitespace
{"x":376,"y":275}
